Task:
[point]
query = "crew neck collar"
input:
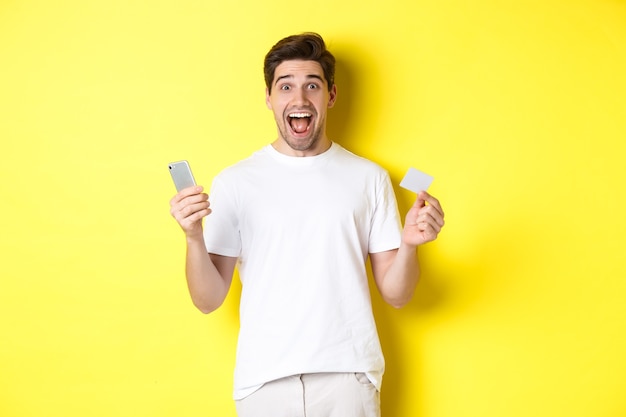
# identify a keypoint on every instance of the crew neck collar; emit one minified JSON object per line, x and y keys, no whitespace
{"x":300,"y":160}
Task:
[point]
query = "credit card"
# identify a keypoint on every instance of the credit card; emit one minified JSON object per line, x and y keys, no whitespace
{"x":416,"y":181}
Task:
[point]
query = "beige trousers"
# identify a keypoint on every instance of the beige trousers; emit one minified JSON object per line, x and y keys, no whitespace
{"x":313,"y":395}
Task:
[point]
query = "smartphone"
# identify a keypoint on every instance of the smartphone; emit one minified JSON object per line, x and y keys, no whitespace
{"x":181,"y":174}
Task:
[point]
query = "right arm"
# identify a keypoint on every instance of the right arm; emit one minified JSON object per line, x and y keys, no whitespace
{"x":208,"y":275}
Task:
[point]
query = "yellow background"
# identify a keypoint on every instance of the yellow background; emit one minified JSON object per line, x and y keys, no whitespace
{"x":517,"y":109}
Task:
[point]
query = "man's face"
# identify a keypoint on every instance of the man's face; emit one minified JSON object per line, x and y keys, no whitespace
{"x":299,"y":100}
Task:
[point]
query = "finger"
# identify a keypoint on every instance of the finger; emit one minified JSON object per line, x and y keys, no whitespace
{"x":177,"y":205}
{"x":432,"y":201}
{"x":429,"y":231}
{"x":186,"y":192}
{"x":413,"y":213}
{"x":426,"y":220}
{"x":194,"y":217}
{"x":179,"y":208}
{"x":420,"y":201}
{"x":182,"y":212}
{"x":432,"y":213}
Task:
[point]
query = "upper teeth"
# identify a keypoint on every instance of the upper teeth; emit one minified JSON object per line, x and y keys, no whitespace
{"x":300,"y":115}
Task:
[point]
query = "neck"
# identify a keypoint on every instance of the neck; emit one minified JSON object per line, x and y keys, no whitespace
{"x":317,"y":148}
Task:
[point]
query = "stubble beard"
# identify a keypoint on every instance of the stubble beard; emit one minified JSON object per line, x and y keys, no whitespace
{"x":300,"y":145}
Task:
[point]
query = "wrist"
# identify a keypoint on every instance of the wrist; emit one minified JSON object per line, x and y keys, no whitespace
{"x":195,"y":237}
{"x":409,"y":244}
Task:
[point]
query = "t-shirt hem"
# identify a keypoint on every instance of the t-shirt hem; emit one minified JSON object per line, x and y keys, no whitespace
{"x":223,"y":252}
{"x":240,"y":394}
{"x":384,"y":247}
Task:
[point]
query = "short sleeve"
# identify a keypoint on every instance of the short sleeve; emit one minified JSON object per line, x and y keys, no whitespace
{"x":386,"y":230}
{"x":221,"y":227}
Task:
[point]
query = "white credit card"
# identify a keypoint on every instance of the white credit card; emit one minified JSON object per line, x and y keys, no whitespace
{"x":416,"y":181}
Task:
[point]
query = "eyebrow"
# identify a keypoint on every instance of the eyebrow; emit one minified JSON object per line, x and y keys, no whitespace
{"x":313,"y":76}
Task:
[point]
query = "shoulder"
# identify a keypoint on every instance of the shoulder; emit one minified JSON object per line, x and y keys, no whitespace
{"x":244,"y":166}
{"x":354,"y":161}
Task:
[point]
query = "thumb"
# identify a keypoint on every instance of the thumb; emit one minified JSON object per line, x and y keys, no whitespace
{"x":421,"y":200}
{"x":411,"y":215}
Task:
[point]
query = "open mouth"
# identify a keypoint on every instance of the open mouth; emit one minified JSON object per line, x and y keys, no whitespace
{"x":299,"y":121}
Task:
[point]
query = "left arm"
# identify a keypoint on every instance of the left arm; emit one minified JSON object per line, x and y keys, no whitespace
{"x":397,"y":271}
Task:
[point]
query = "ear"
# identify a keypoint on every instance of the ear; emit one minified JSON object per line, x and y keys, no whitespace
{"x":267,"y":98}
{"x":332,"y":96}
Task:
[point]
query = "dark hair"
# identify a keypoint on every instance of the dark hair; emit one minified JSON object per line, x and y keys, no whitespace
{"x":308,"y":46}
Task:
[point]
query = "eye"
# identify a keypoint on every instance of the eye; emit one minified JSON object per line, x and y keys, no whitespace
{"x":285,"y":87}
{"x":312,"y":86}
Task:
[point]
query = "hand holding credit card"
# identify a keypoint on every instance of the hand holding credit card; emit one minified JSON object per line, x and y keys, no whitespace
{"x":416,"y":181}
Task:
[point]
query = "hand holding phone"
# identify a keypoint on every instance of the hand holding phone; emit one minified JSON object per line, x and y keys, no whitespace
{"x":181,"y":175}
{"x":188,"y":209}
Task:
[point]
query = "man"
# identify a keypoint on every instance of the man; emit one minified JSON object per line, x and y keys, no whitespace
{"x":300,"y":217}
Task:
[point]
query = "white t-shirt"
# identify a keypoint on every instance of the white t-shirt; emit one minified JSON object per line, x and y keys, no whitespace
{"x":302,"y":228}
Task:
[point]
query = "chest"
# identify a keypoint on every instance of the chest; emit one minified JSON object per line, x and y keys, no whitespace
{"x":293,"y":202}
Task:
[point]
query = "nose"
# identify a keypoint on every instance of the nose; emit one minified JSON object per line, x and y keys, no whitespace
{"x":301,"y":96}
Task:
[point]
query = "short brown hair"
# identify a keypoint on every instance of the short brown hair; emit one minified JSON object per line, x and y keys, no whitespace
{"x":308,"y":46}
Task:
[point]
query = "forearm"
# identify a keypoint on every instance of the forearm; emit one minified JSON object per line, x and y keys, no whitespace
{"x":207,"y":287}
{"x":397,"y":272}
{"x":398,"y":284}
